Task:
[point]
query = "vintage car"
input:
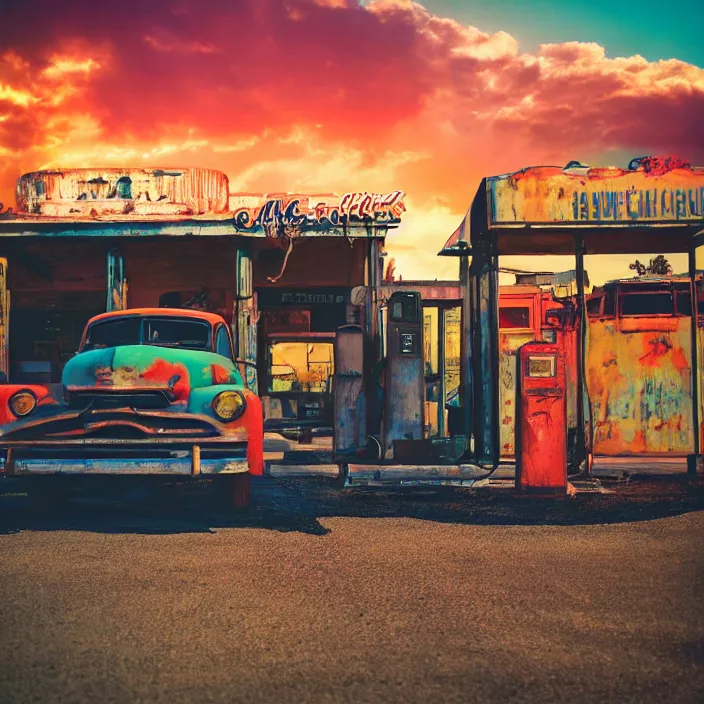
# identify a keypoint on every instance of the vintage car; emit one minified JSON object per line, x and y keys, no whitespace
{"x":150,"y":391}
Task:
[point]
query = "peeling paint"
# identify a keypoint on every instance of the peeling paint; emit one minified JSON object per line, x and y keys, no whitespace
{"x":541,"y":436}
{"x":639,"y":380}
{"x":76,"y":193}
{"x":131,"y":392}
{"x":652,"y":191}
{"x":540,"y":316}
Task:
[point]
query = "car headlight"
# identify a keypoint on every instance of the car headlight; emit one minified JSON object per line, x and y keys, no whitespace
{"x":229,"y":405}
{"x":23,"y":403}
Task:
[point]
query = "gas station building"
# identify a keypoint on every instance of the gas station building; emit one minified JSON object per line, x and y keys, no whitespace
{"x":284,"y":270}
{"x":392,"y":367}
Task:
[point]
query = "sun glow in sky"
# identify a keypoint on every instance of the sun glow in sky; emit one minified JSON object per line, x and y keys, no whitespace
{"x":338,"y":95}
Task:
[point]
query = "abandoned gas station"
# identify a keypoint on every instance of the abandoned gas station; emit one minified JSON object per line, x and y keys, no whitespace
{"x":653,"y":205}
{"x":441,"y":381}
{"x":281,"y":269}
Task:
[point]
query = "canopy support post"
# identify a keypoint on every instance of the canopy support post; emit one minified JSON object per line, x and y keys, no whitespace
{"x":694,"y":460}
{"x":584,"y":424}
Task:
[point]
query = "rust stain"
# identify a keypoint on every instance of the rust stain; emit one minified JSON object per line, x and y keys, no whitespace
{"x":191,"y":376}
{"x":639,"y":381}
{"x":151,"y":192}
{"x":652,"y":189}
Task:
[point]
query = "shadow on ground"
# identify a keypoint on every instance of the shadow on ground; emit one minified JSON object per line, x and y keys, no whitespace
{"x":299,"y":504}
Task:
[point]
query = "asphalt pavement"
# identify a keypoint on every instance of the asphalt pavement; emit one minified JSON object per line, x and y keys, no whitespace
{"x":145,"y":593}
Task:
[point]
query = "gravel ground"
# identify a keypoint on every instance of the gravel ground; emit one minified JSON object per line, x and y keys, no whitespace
{"x":321,"y":595}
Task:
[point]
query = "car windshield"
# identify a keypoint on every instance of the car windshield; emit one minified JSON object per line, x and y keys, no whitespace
{"x":162,"y":332}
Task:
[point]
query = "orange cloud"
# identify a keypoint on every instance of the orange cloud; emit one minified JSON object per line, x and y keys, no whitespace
{"x":324,"y":95}
{"x":14,"y":96}
{"x":61,"y":66}
{"x":170,"y":44}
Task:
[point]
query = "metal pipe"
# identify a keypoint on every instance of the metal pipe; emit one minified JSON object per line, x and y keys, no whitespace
{"x":372,"y":347}
{"x":442,"y":393}
{"x":466,"y":353}
{"x":195,"y":460}
{"x":584,"y":426}
{"x":696,"y":391}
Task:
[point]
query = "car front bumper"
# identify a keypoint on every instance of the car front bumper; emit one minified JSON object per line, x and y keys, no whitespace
{"x":94,"y":456}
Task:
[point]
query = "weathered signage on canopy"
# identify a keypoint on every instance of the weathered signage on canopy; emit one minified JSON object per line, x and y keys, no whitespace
{"x":123,"y":193}
{"x":170,"y":196}
{"x":291,"y":214}
{"x":652,"y":191}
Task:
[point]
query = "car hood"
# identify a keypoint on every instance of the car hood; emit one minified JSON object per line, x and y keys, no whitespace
{"x":134,"y":366}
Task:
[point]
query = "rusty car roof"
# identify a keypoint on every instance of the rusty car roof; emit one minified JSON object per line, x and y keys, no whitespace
{"x":211,"y":318}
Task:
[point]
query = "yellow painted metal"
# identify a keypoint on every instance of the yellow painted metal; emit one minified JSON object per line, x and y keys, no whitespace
{"x":453,"y":351}
{"x":699,"y":266}
{"x":639,"y":381}
{"x":544,"y":195}
{"x":508,"y":345}
{"x":195,"y":460}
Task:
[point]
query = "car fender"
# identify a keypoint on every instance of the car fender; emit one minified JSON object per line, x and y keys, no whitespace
{"x":7,"y":391}
{"x":252,"y":420}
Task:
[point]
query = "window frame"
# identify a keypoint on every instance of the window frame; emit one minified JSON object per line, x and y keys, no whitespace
{"x":284,"y":339}
{"x":598,"y":313}
{"x":615,"y":295}
{"x":665,"y":290}
{"x":228,"y":336}
{"x":141,"y":319}
{"x":522,"y":305}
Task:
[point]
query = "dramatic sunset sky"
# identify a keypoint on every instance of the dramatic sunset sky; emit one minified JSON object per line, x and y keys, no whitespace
{"x":342,"y":95}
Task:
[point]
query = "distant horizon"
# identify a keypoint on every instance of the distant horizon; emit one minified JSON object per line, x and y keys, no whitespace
{"x":505,"y":278}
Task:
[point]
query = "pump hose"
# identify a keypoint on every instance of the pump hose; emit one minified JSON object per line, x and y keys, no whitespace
{"x":489,"y":472}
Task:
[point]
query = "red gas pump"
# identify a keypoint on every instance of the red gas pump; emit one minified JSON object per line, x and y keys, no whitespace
{"x":541,"y":419}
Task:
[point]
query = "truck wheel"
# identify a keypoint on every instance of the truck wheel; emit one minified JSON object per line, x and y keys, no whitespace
{"x":241,"y":488}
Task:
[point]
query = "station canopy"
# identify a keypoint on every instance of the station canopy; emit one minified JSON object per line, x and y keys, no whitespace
{"x":187,"y":201}
{"x":656,"y":204}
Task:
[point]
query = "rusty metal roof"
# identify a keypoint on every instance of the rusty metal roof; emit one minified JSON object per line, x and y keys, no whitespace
{"x":654,"y":203}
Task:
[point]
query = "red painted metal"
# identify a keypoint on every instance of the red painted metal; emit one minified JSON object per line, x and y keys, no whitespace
{"x":7,"y":391}
{"x":541,"y":423}
{"x":212,"y":318}
{"x":253,"y":421}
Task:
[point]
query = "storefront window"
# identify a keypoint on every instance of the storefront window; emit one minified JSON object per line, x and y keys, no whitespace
{"x":514,"y":317}
{"x":430,"y":340}
{"x":300,"y":366}
{"x":453,"y":332}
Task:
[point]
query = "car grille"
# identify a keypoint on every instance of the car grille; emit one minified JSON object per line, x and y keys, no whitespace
{"x":107,"y":424}
{"x":143,"y":400}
